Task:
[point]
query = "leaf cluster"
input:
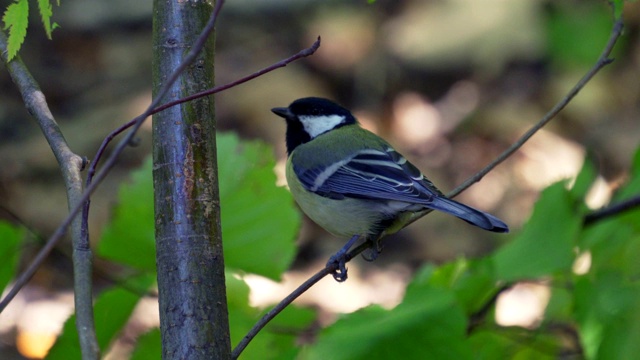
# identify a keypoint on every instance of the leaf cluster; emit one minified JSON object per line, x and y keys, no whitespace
{"x":16,"y":20}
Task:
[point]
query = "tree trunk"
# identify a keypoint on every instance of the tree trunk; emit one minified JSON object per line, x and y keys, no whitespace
{"x":191,"y":282}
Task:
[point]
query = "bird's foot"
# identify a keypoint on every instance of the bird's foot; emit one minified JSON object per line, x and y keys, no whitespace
{"x":339,"y":260}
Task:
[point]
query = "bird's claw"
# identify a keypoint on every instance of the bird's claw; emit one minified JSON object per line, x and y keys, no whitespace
{"x":338,"y":261}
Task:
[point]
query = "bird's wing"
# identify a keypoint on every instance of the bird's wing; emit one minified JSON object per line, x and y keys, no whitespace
{"x":370,"y":174}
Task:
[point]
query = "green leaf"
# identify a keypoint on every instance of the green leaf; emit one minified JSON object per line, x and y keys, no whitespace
{"x":46,"y":12}
{"x":509,"y":344}
{"x":473,"y":281}
{"x":10,"y":252}
{"x":576,"y":32}
{"x":428,"y":324}
{"x":16,"y":19}
{"x":546,"y":243}
{"x":112,"y":310}
{"x":584,"y":180}
{"x":277,"y":339}
{"x":259,"y":220}
{"x":607,"y":309}
{"x":129,"y":237}
{"x":148,"y":346}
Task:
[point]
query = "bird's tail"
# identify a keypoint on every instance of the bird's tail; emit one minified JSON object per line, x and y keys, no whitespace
{"x":467,"y":213}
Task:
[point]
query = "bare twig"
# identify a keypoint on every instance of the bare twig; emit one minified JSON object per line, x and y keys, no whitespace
{"x":602,"y":61}
{"x":111,"y":161}
{"x":301,"y":54}
{"x":279,"y":307}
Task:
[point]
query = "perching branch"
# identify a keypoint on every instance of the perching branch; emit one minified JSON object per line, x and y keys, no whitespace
{"x":602,"y":61}
{"x":70,"y":165}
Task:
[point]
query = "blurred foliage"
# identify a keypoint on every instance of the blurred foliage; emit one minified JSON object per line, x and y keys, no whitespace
{"x":598,"y":311}
{"x":601,"y":307}
{"x":573,"y":30}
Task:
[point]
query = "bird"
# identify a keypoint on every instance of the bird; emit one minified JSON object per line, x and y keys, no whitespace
{"x":353,"y":183}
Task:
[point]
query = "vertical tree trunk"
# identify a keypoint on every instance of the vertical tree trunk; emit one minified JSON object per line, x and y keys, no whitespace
{"x":193,"y":306}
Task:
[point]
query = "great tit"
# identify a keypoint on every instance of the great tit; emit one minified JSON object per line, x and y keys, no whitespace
{"x":353,"y":183}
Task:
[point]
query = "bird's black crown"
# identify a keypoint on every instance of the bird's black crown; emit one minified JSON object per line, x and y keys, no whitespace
{"x":310,"y":109}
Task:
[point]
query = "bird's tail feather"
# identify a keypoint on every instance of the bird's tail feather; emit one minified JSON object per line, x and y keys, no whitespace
{"x":467,"y":213}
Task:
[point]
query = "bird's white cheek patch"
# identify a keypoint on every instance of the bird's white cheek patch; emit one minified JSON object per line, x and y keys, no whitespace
{"x":316,"y":125}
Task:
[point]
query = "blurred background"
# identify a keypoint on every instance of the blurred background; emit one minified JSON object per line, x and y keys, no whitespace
{"x":450,"y":84}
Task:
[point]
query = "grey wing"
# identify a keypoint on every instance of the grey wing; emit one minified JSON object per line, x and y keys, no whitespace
{"x":370,"y":174}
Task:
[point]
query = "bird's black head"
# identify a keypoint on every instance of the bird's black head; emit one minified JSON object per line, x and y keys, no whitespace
{"x":310,"y":117}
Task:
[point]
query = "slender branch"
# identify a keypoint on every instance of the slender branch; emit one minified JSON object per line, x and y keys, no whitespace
{"x":612,"y":210}
{"x":301,"y":54}
{"x":110,"y":162}
{"x":602,"y":61}
{"x":279,"y":307}
{"x":70,"y":165}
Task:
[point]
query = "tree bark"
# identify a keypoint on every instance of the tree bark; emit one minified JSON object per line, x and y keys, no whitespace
{"x":191,"y":281}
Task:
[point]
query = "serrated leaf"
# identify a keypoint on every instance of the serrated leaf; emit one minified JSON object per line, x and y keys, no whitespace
{"x":428,"y":324}
{"x":10,"y":252}
{"x":547,"y":241}
{"x":259,"y":220}
{"x":46,"y":12}
{"x":16,"y":19}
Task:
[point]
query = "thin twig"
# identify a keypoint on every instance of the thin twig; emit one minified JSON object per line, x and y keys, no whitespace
{"x":111,"y":161}
{"x":603,"y":60}
{"x":279,"y":307}
{"x":301,"y":54}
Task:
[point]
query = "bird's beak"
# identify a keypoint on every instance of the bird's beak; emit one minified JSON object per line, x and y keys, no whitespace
{"x":282,"y":112}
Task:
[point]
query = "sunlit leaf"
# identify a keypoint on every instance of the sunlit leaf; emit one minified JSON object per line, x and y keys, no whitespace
{"x":259,"y":220}
{"x":547,"y":241}
{"x":16,"y":19}
{"x":428,"y":324}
